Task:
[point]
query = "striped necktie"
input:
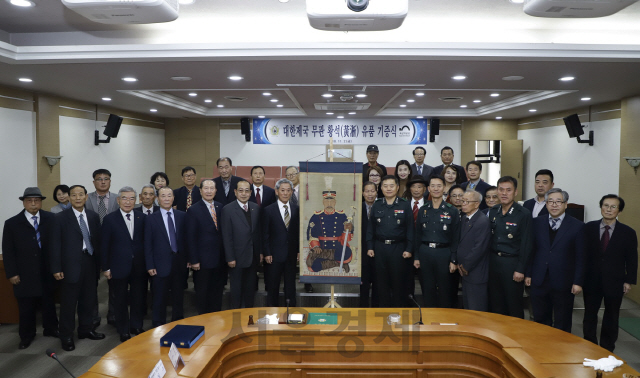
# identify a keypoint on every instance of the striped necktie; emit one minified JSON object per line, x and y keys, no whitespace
{"x":102,"y":208}
{"x":213,"y":215}
{"x":189,"y":200}
{"x":287,"y":218}
{"x":85,"y":234}
{"x":35,"y":225}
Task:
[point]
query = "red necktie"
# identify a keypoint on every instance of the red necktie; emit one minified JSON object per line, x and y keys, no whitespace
{"x":415,"y":211}
{"x":605,"y":238}
{"x":258,"y":200}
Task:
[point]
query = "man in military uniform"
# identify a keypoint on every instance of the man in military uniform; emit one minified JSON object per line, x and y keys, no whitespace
{"x":511,"y":243}
{"x":326,"y":233}
{"x":390,"y":241}
{"x":437,"y":228}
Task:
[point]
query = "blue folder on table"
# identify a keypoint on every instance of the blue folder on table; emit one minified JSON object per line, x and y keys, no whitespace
{"x":184,"y":336}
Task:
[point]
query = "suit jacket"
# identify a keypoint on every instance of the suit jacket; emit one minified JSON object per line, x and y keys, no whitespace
{"x":242,"y":242}
{"x":461,"y":172}
{"x":294,"y":201}
{"x":220,"y":196}
{"x":66,"y":243}
{"x":202,"y":239}
{"x":530,"y":203}
{"x":473,"y":248}
{"x":157,"y":247}
{"x":92,"y":202}
{"x":609,"y":270}
{"x":268,"y":195}
{"x":280,"y":242}
{"x":427,"y":170}
{"x":180,"y":197}
{"x":480,"y":188}
{"x":564,"y":259}
{"x":119,"y":251}
{"x":139,"y":209}
{"x":22,"y":255}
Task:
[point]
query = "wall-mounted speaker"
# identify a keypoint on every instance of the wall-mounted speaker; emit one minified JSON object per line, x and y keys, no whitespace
{"x":113,"y":126}
{"x":245,"y":126}
{"x":434,"y":129}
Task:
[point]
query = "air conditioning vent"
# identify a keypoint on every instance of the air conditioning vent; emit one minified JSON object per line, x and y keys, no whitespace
{"x":574,"y":8}
{"x":450,"y":99}
{"x":341,"y":106}
{"x":235,"y":98}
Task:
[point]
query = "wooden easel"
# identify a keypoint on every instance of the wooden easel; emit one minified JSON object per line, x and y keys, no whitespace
{"x":332,"y":301}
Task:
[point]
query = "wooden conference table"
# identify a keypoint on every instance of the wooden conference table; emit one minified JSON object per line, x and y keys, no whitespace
{"x":362,"y":344}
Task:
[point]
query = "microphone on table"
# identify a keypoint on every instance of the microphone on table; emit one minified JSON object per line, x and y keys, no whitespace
{"x":53,"y":355}
{"x":420,"y":308}
{"x":287,"y":310}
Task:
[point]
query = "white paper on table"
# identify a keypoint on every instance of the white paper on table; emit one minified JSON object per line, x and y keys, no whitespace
{"x":158,"y":371}
{"x":175,"y":356}
{"x":273,"y":319}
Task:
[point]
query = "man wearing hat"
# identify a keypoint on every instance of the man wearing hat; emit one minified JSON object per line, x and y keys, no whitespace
{"x":25,"y":252}
{"x":418,"y":188}
{"x":372,"y":160}
{"x":326,"y":234}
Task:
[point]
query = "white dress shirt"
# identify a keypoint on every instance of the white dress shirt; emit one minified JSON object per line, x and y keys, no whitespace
{"x":420,"y":202}
{"x":165,"y":218}
{"x":129,"y":223}
{"x":30,"y":216}
{"x":255,"y":192}
{"x":537,"y":207}
{"x":281,"y":207}
{"x":84,"y":216}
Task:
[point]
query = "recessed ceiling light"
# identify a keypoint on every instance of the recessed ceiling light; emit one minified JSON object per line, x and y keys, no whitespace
{"x":495,"y":94}
{"x":459,"y":77}
{"x":260,"y":116}
{"x":403,"y":106}
{"x":585,"y":98}
{"x":463,"y":106}
{"x":411,"y":100}
{"x":361,"y":95}
{"x":512,"y":78}
{"x":533,"y":110}
{"x":186,"y":2}
{"x":274,"y":100}
{"x":498,"y":117}
{"x":180,"y":78}
{"x":566,"y":78}
{"x":193,"y":94}
{"x":279,"y":105}
{"x":340,"y":116}
{"x":106,"y":99}
{"x":352,"y":113}
{"x":420,"y":94}
{"x":329,"y":113}
{"x":327,"y":95}
{"x":153,"y":110}
{"x":348,"y":77}
{"x":516,"y":1}
{"x":235,"y":77}
{"x":22,"y":3}
{"x":207,"y":100}
{"x":266,"y":94}
{"x":477,"y":101}
{"x":25,"y":80}
{"x":220,"y":106}
{"x":419,"y":117}
{"x":284,"y":1}
{"x":129,"y":79}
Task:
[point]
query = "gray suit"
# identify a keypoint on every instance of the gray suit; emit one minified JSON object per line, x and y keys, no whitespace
{"x":427,"y":170}
{"x":243,"y":244}
{"x":92,"y":202}
{"x":473,"y":255}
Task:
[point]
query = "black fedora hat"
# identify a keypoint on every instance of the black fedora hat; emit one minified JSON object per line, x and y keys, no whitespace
{"x":32,"y":192}
{"x":417,"y":179}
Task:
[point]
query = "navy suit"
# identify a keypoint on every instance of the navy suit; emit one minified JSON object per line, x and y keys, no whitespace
{"x":530,"y":203}
{"x":204,"y":246}
{"x":473,"y":256}
{"x":282,"y":244}
{"x":80,"y":269}
{"x":170,"y":267}
{"x":140,"y":208}
{"x":180,"y":197}
{"x":267,"y":195}
{"x":554,"y":267}
{"x":427,"y":170}
{"x":220,"y":196}
{"x":124,"y":257}
{"x":25,"y":258}
{"x":481,"y":188}
{"x":606,"y":273}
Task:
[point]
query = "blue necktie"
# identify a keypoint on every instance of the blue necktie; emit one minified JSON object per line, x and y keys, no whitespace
{"x":420,"y":170}
{"x":35,"y":225}
{"x":554,"y":223}
{"x":85,"y":234}
{"x":172,"y":234}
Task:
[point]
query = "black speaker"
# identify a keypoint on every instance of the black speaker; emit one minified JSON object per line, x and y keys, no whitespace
{"x":434,"y":129}
{"x":245,"y":126}
{"x":113,"y":126}
{"x":574,"y":127}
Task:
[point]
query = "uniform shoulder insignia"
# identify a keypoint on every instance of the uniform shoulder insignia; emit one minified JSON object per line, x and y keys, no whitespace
{"x":319,"y":212}
{"x":448,"y":204}
{"x":378,"y":199}
{"x":340,"y":211}
{"x":402,"y":199}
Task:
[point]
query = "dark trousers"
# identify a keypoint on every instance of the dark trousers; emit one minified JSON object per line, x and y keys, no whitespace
{"x":111,"y":309}
{"x":83,"y":295}
{"x":129,"y":295}
{"x":368,"y":282}
{"x":274,"y":272}
{"x":474,"y":296}
{"x":505,"y":294}
{"x":28,"y":306}
{"x":209,"y":286}
{"x":243,"y":286}
{"x":161,"y":286}
{"x":609,"y":331}
{"x":552,"y":307}
{"x":391,"y":274}
{"x":436,"y":279}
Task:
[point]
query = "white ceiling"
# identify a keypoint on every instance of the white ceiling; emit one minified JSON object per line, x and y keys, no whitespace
{"x":273,"y":47}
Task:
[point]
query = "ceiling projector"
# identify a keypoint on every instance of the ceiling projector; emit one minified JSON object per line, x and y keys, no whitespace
{"x":574,"y":8}
{"x":125,"y":11}
{"x":356,"y":15}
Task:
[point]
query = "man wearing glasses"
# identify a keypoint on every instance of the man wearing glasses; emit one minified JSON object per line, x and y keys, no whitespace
{"x":294,"y":176}
{"x":188,"y":194}
{"x":611,"y":269}
{"x":556,"y":270}
{"x":419,"y":167}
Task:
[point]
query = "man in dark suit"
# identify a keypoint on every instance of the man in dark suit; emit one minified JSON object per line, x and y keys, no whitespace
{"x":293,"y":175}
{"x":204,"y":245}
{"x":123,"y":263}
{"x":75,"y":263}
{"x":611,"y":269}
{"x":372,"y":160}
{"x":166,"y":257}
{"x":446,"y":156}
{"x":419,"y":167}
{"x":473,"y":253}
{"x":147,"y":199}
{"x":186,"y":195}
{"x":25,"y":241}
{"x":544,"y":182}
{"x":261,"y":194}
{"x":280,"y":230}
{"x":490,"y":199}
{"x":368,"y":267}
{"x":242,"y":240}
{"x":556,"y":268}
{"x":474,"y":169}
{"x":225,"y":183}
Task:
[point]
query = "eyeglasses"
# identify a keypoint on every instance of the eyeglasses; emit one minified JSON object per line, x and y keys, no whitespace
{"x":128,"y":199}
{"x":418,"y":155}
{"x":374,"y":175}
{"x":189,"y":176}
{"x":456,"y":195}
{"x":292,"y":175}
{"x":610,"y":207}
{"x":102,"y":179}
{"x":465,"y":202}
{"x":555,"y":203}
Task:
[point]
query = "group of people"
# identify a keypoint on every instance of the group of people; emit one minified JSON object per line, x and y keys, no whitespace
{"x":443,"y":223}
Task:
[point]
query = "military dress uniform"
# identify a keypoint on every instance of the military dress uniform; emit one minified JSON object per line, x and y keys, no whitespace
{"x":326,"y":231}
{"x":511,"y":245}
{"x":389,"y":234}
{"x":437,"y":236}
